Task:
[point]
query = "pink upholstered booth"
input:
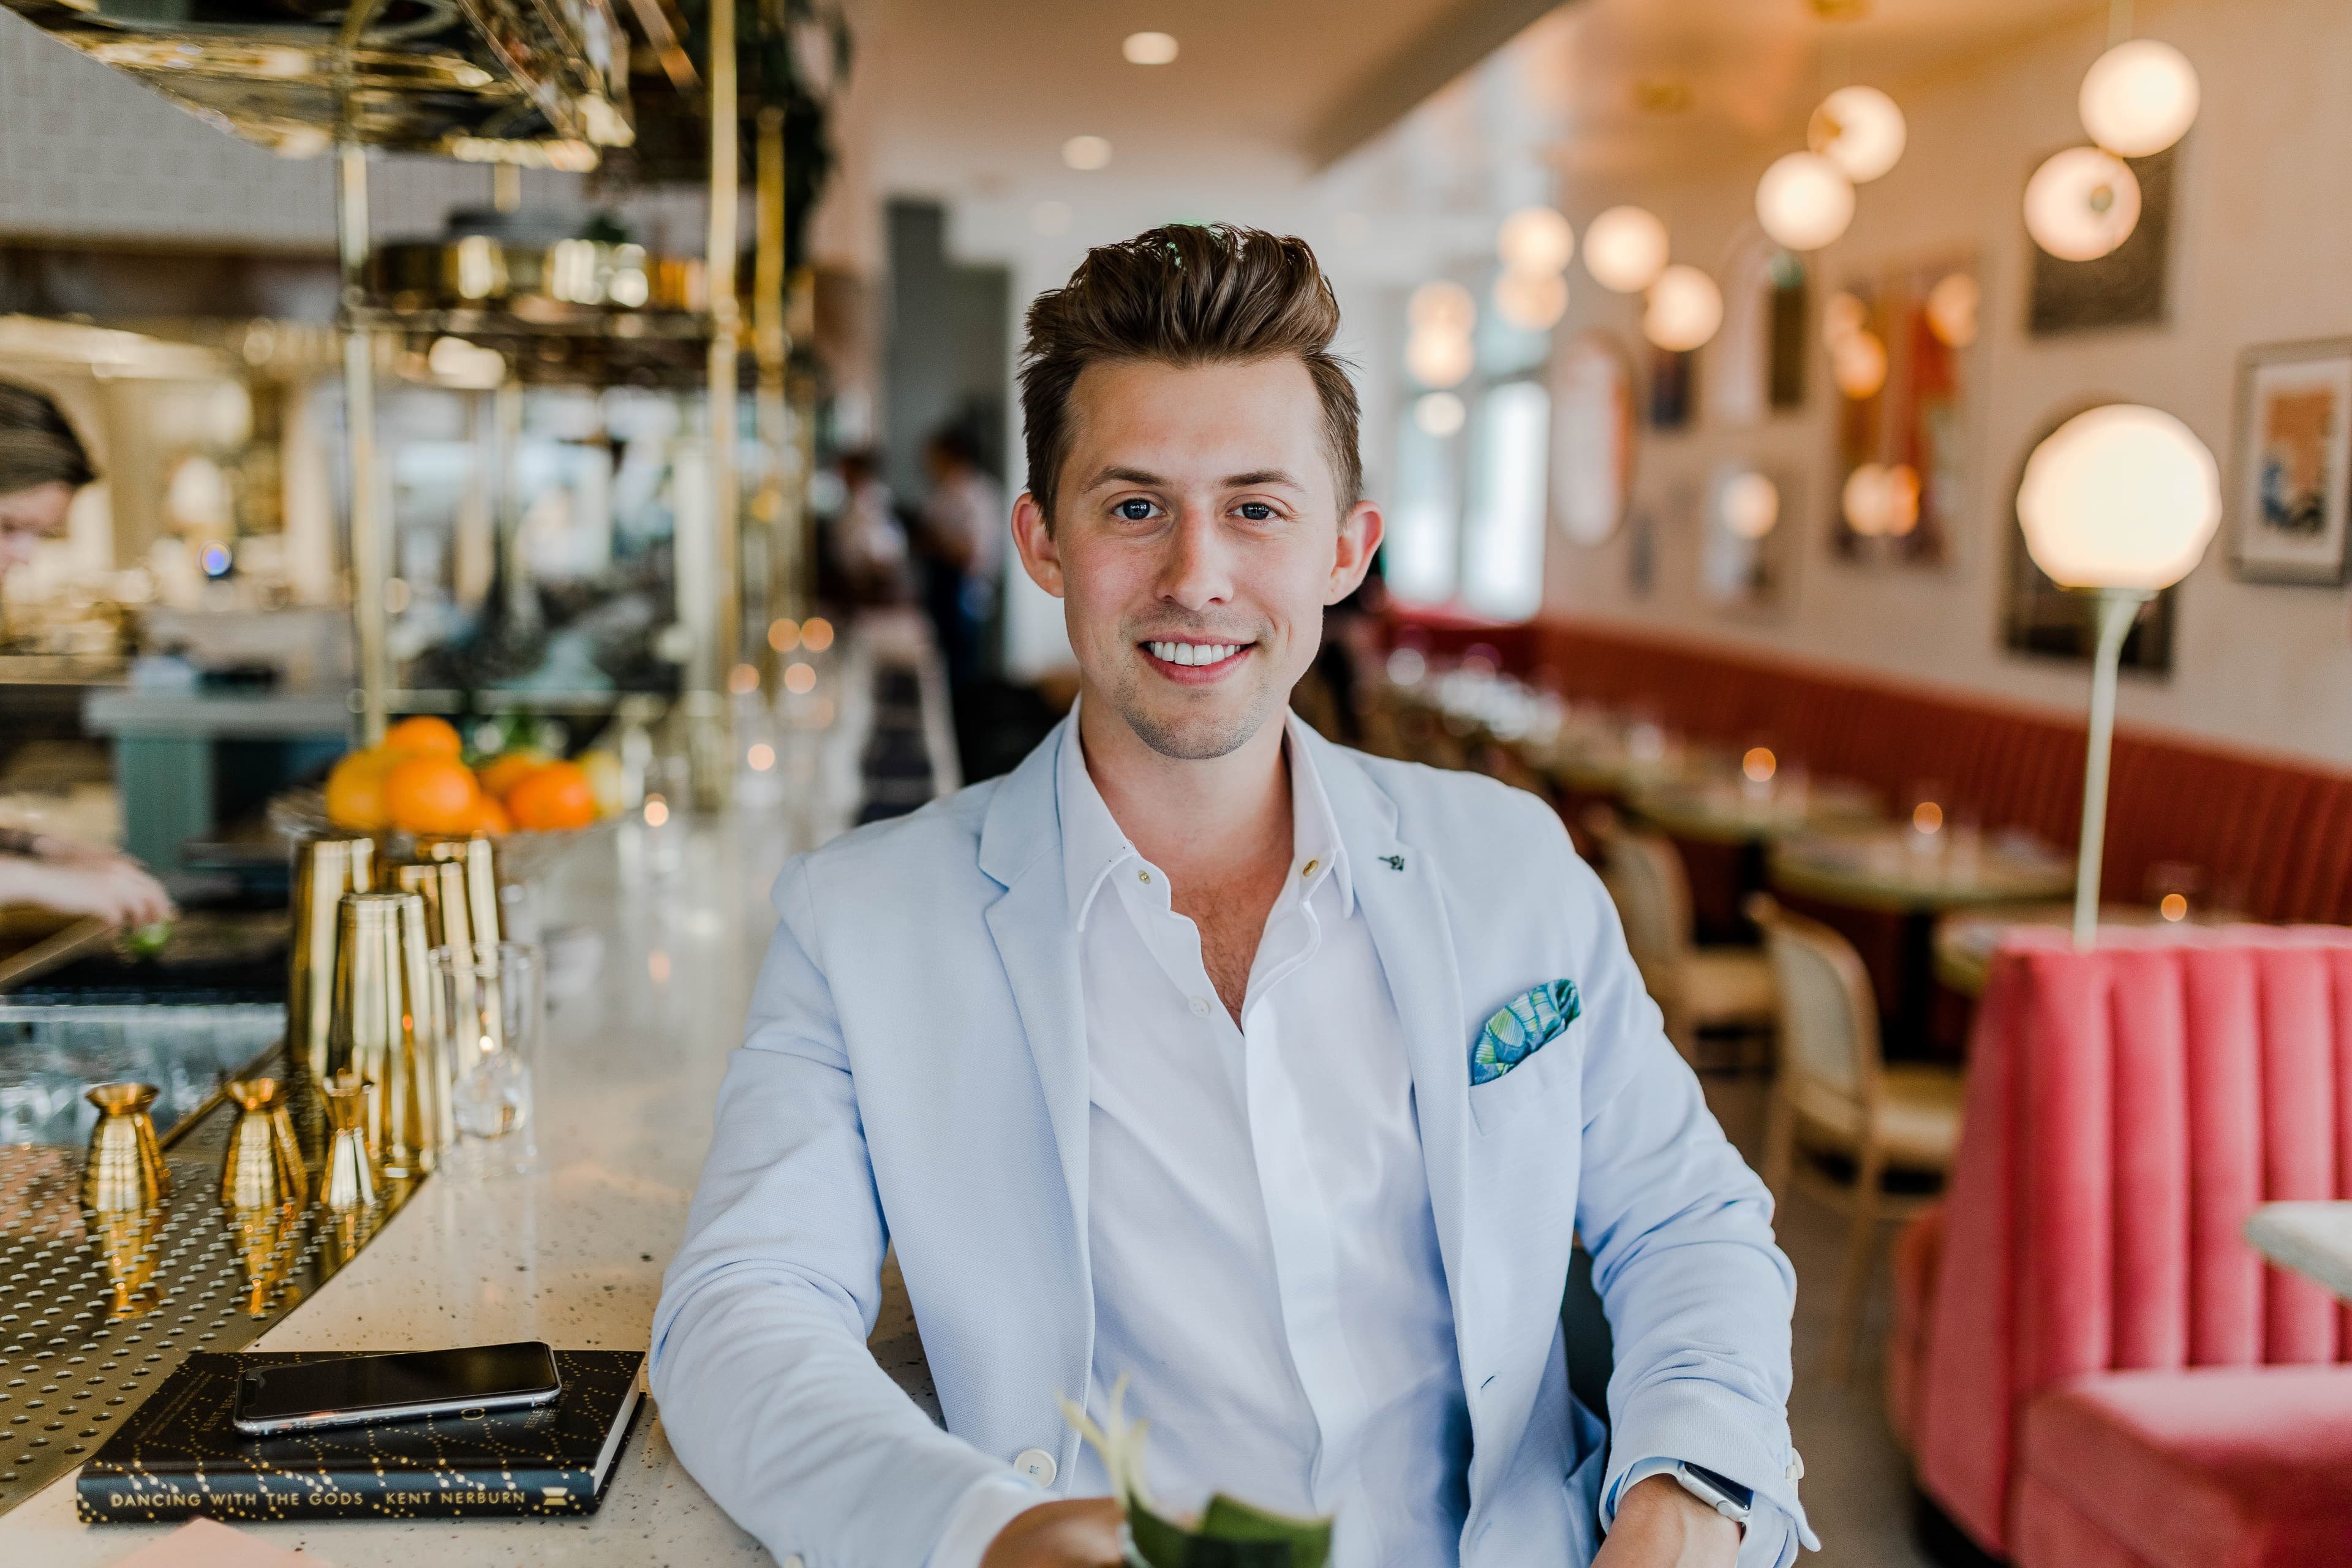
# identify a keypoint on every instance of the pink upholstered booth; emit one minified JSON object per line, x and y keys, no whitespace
{"x":2095,"y":1369}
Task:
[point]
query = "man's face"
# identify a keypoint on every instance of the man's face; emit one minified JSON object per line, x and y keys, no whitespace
{"x":1197,"y":538}
{"x":29,"y":517}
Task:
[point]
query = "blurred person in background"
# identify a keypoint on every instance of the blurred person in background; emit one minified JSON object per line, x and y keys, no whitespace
{"x":965,"y":525}
{"x":866,"y":539}
{"x":42,"y":466}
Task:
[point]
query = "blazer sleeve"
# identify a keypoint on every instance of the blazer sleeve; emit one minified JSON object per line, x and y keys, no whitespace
{"x":758,"y":1358}
{"x":1697,"y":1295}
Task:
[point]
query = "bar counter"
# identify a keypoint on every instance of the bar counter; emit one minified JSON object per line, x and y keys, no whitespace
{"x":573,"y":1254}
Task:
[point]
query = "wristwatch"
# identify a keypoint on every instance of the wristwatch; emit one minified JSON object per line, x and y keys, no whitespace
{"x":1719,"y":1492}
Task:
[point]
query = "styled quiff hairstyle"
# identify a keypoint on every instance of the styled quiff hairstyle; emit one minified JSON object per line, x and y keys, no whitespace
{"x":1184,"y":294}
{"x":37,"y":446}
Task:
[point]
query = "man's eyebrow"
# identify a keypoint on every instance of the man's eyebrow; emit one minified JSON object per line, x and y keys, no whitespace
{"x":1125,"y":476}
{"x":1260,"y":477}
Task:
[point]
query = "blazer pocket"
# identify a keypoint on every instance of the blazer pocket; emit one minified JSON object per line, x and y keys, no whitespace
{"x":1498,"y":1102}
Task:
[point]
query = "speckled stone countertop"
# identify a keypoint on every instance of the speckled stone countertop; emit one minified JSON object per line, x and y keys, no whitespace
{"x":573,"y":1254}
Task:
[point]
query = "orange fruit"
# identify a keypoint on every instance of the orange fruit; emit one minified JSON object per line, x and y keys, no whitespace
{"x":508,"y":769}
{"x":355,"y":790}
{"x":430,"y":795}
{"x":551,"y":799}
{"x":491,"y":819}
{"x":423,"y":736}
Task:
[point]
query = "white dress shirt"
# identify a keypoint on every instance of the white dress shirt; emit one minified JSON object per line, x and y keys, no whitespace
{"x":1265,"y":1259}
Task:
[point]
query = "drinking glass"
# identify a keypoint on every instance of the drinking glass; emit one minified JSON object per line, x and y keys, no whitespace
{"x":494,"y":996}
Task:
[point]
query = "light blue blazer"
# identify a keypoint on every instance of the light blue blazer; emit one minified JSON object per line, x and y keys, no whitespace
{"x":914,"y":1073}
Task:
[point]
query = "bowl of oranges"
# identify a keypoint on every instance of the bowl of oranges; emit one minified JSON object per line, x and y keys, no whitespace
{"x":418,"y":785}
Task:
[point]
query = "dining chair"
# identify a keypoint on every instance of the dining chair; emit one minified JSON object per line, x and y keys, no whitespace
{"x":1835,"y":1095}
{"x":1697,"y":988}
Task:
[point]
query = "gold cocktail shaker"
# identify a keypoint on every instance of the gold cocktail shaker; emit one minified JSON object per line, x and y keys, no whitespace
{"x":264,"y":1167}
{"x":479,"y":857}
{"x":385,"y":1029}
{"x":125,"y":1170}
{"x":324,"y":870}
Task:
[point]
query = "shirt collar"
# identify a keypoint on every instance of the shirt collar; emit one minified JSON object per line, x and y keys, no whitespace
{"x":1093,"y":846}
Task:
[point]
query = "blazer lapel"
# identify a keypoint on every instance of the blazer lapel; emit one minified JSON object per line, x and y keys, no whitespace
{"x":1021,"y":848}
{"x":1396,"y":889}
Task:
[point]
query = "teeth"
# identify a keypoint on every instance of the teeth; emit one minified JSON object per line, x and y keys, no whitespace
{"x":1195,"y":652}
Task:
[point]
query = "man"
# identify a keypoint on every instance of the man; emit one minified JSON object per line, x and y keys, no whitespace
{"x":964,"y":538}
{"x":42,"y":464}
{"x":1202,"y":1051}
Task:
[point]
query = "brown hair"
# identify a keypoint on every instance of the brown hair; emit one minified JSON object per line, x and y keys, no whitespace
{"x":1186,"y":294}
{"x":37,"y":446}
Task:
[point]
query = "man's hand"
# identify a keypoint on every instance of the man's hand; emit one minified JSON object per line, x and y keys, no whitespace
{"x":1082,"y":1532}
{"x":111,"y":887}
{"x":1660,"y":1525}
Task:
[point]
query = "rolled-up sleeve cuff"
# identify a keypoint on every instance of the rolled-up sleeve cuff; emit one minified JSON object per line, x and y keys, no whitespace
{"x":987,"y":1506}
{"x":1695,"y":1422}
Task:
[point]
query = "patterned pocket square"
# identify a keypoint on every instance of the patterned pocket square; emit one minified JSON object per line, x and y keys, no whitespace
{"x":1522,"y":1026}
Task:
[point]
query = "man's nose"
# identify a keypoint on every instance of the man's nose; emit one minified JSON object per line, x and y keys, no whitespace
{"x":1198,"y":570}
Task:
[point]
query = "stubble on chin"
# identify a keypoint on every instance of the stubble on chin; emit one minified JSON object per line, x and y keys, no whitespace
{"x":1190,"y":731}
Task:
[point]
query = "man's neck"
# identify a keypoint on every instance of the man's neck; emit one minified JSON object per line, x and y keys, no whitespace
{"x":1202,"y":821}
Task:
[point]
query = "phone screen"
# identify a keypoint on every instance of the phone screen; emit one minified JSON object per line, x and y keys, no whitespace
{"x":356,"y":1388}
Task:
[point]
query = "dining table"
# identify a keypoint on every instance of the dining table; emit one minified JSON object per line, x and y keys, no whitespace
{"x":1966,"y":940}
{"x":1916,"y":877}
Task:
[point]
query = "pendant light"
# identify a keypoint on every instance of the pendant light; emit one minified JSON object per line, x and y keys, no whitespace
{"x":1750,"y":505}
{"x":1531,"y":301}
{"x":2082,"y":203}
{"x":1685,"y":309}
{"x":2139,"y":97}
{"x":1860,"y":130}
{"x":1804,"y":201}
{"x":1626,"y":249}
{"x":1536,"y":241}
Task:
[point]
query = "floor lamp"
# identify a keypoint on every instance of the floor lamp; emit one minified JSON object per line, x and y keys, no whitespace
{"x":2117,"y":504}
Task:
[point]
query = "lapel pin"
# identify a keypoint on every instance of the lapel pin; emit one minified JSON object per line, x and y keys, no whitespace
{"x":1395,"y":862}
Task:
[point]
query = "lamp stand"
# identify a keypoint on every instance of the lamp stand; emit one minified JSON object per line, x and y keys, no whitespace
{"x":2114,"y":610}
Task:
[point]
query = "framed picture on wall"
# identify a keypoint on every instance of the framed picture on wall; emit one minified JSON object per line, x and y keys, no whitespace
{"x":2291,"y":479}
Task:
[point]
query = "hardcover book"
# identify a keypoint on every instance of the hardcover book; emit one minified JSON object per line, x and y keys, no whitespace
{"x":179,"y":1456}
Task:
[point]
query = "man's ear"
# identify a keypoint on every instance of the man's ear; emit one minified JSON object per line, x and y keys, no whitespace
{"x":1033,"y":538}
{"x":1359,"y":537}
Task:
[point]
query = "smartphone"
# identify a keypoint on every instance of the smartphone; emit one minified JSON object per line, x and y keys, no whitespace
{"x":354,"y":1390}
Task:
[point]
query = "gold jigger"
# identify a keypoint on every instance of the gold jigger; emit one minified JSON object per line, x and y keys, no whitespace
{"x":125,"y":1170}
{"x":264,"y":1167}
{"x":324,"y":870}
{"x":351,"y":1172}
{"x":127,"y":1239}
{"x":479,"y":857}
{"x":387,"y":1029}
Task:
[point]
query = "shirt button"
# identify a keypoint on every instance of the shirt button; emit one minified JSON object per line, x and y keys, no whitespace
{"x":1036,"y":1464}
{"x":1796,"y":1471}
{"x":1143,"y":876}
{"x":1199,"y":1006}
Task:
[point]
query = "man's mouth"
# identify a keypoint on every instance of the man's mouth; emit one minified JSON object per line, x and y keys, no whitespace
{"x":1195,"y":655}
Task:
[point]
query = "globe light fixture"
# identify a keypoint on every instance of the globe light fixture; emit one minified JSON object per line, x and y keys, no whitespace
{"x":2082,"y":203}
{"x":1864,"y":501}
{"x":1860,"y":130}
{"x":1148,"y":49}
{"x":1685,"y":309}
{"x":1626,"y":249}
{"x":2119,"y":503}
{"x":1952,"y":309}
{"x":1899,"y":502}
{"x":1442,"y":306}
{"x":1843,"y":316}
{"x":1536,"y":239}
{"x":1750,"y":506}
{"x":1439,"y":413}
{"x":1439,"y":359}
{"x":1804,"y":201}
{"x":2139,"y":97}
{"x":1087,"y":153}
{"x":1531,"y":301}
{"x":1858,"y":364}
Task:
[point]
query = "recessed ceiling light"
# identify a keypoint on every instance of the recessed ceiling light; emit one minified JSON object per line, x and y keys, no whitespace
{"x":1086,"y":152}
{"x":1148,"y":48}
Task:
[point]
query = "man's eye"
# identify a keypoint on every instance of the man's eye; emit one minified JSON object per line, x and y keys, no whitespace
{"x":1256,"y":510}
{"x":1135,"y":510}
